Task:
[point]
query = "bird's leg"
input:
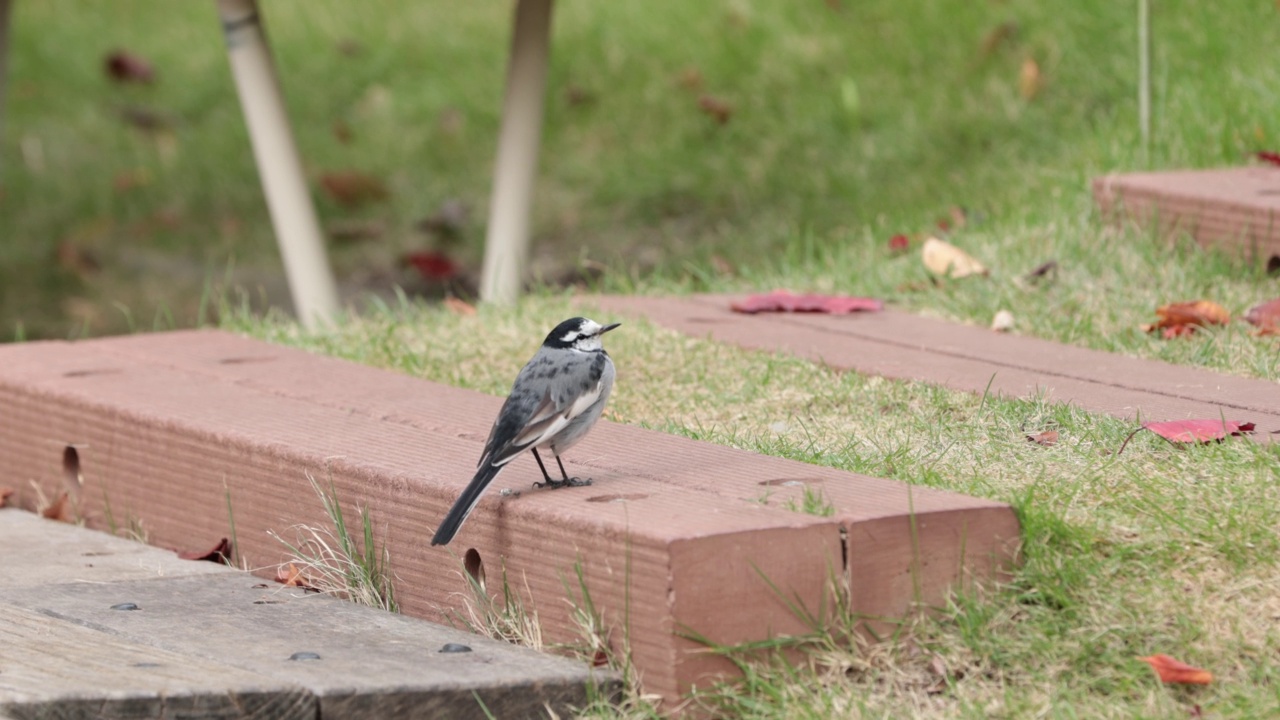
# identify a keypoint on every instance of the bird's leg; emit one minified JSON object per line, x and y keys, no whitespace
{"x":548,"y":481}
{"x":553,"y":484}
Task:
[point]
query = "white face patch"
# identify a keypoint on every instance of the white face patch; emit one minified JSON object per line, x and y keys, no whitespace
{"x":585,"y":338}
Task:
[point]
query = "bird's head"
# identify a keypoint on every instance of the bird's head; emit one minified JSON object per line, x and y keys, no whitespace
{"x":578,"y":333}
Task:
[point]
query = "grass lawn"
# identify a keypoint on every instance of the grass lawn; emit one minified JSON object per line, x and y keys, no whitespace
{"x":850,"y":122}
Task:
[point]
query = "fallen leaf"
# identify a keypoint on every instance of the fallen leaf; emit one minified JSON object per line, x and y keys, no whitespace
{"x":431,"y":264}
{"x":1266,"y":317}
{"x":1174,"y":671}
{"x":1029,"y":79}
{"x":123,"y":66}
{"x":1177,"y":319}
{"x":998,"y":36}
{"x":459,"y":307}
{"x":899,"y":243}
{"x":1188,"y":431}
{"x":1048,"y":438}
{"x":1266,"y":156}
{"x":786,"y":301}
{"x":1042,"y":271}
{"x":5,"y":494}
{"x":449,"y":222}
{"x":220,"y":553}
{"x":356,"y":230}
{"x":352,"y":188}
{"x":943,"y":258}
{"x":77,"y":259}
{"x":291,"y":576}
{"x":722,"y":266}
{"x":342,"y":132}
{"x":718,"y":109}
{"x":146,"y":120}
{"x":58,"y":509}
{"x":691,"y":78}
{"x":451,"y":122}
{"x":130,"y":179}
{"x":576,"y":96}
{"x":1003,"y":321}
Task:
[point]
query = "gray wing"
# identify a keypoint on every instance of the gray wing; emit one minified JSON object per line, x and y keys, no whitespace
{"x":548,"y":395}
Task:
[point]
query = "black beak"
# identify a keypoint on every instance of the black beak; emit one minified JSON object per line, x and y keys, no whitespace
{"x":607,"y":328}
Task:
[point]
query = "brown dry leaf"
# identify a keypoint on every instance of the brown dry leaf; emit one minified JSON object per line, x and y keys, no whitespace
{"x":998,"y":36}
{"x":1030,"y":80}
{"x":1266,"y":317}
{"x":1182,"y":318}
{"x":1048,"y":438}
{"x":219,"y":553}
{"x":5,"y":494}
{"x":722,"y":266}
{"x":291,"y":576}
{"x":59,"y":509}
{"x":459,"y":307}
{"x":691,"y":78}
{"x":342,"y":132}
{"x":1174,"y":671}
{"x":349,"y":231}
{"x":943,"y":258}
{"x":77,"y":259}
{"x":352,"y":188}
{"x":719,"y":110}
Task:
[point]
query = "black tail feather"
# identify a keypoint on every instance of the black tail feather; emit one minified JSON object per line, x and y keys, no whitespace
{"x":466,"y":501}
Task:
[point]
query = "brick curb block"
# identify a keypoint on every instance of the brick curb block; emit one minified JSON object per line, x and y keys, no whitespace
{"x":671,"y":538}
{"x":902,"y":346}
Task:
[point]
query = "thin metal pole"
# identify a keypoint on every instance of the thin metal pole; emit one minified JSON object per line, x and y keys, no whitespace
{"x":507,"y":244}
{"x":315,"y":296}
{"x":1144,"y":76}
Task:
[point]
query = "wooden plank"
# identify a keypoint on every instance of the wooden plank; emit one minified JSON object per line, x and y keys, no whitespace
{"x":228,"y":626}
{"x":170,"y":424}
{"x":369,"y":664}
{"x":52,"y":668}
{"x":902,"y":346}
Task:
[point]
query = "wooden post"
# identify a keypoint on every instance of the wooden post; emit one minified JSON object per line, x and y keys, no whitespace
{"x":293,"y":216}
{"x":507,"y":244}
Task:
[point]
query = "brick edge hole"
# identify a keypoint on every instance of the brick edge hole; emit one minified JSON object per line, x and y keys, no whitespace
{"x":71,"y":470}
{"x":474,"y":566}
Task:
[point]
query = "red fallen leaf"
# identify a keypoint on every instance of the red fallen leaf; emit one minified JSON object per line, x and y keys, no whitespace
{"x":431,"y":264}
{"x":291,"y":576}
{"x":5,"y":494}
{"x":351,"y":187}
{"x":1186,"y":316}
{"x":718,"y":109}
{"x":899,"y":243}
{"x":1266,"y":317}
{"x":459,"y":307}
{"x":220,"y":553}
{"x":123,"y":66}
{"x":1198,"y":430}
{"x":785,"y":301}
{"x":58,"y":509}
{"x":1267,"y":156}
{"x":1048,"y":438}
{"x":1174,"y":671}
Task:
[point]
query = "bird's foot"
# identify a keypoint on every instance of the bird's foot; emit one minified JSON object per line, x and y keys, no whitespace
{"x":567,"y":482}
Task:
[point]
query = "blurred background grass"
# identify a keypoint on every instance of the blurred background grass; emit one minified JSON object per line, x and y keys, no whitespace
{"x":124,"y":204}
